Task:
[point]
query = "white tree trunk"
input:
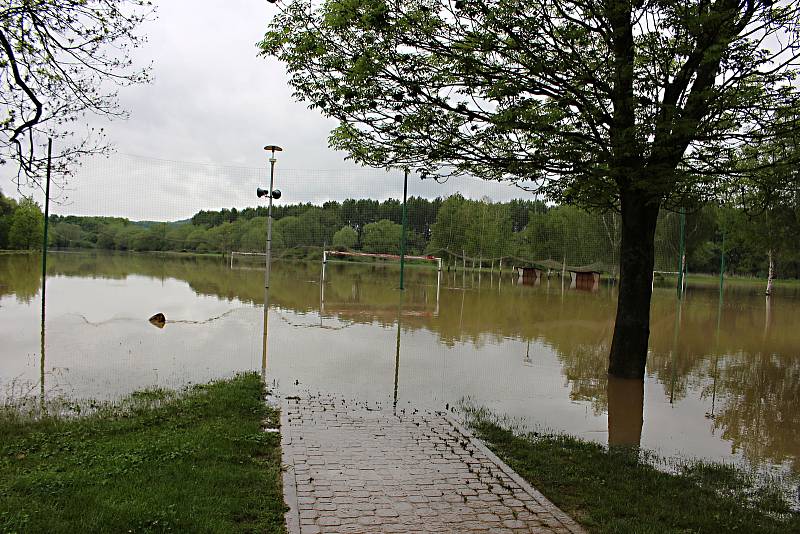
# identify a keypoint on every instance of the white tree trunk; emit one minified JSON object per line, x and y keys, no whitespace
{"x":771,"y":275}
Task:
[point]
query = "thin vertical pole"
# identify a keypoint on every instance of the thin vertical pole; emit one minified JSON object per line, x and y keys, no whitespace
{"x":272,"y":161}
{"x":403,"y":237}
{"x":673,"y":353}
{"x":438,"y":289}
{"x":397,"y":357}
{"x":46,"y":216}
{"x":716,"y":346}
{"x":44,"y":270}
{"x":722,"y":265}
{"x":681,"y":253}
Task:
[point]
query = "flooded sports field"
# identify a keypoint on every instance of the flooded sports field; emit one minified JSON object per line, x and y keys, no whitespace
{"x":723,"y":377}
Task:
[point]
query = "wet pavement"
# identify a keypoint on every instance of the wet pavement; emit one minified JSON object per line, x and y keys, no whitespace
{"x":357,"y":467}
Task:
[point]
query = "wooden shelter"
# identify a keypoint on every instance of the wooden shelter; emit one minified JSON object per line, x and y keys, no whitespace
{"x":585,"y":280}
{"x":530,"y":275}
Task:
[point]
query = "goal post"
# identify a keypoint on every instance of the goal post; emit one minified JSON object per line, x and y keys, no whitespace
{"x":394,"y":257}
{"x":246,"y":255}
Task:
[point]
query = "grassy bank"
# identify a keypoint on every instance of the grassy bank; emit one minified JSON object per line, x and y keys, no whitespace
{"x":712,"y":280}
{"x":155,"y":462}
{"x":614,"y":492}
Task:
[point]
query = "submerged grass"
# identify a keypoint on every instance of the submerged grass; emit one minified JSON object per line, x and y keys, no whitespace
{"x":712,"y":280}
{"x":156,"y":462}
{"x":618,"y":491}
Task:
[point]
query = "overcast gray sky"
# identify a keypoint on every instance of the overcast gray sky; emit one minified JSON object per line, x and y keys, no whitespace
{"x":212,"y":106}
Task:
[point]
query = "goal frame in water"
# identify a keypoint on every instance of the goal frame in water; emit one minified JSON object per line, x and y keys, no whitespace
{"x":233,"y":254}
{"x":395,"y":257}
{"x":326,"y":253}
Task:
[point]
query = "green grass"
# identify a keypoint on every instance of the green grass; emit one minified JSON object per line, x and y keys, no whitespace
{"x":699,"y":279}
{"x":615,"y":491}
{"x":155,"y":462}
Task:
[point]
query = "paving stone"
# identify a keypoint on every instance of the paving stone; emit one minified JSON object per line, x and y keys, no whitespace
{"x":368,"y":470}
{"x":514,"y":523}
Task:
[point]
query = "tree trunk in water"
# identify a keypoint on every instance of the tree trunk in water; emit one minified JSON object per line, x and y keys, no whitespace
{"x":771,"y":274}
{"x":625,"y":411}
{"x":637,"y":255}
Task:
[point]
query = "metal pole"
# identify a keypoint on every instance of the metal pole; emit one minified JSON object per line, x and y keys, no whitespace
{"x":682,"y":253}
{"x":673,"y":353}
{"x":272,"y":161}
{"x":46,"y":217}
{"x":44,"y":271}
{"x":397,"y":357}
{"x":722,"y":265}
{"x":403,"y":237}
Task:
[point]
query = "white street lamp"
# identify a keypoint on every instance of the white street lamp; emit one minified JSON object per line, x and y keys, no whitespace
{"x":271,"y":194}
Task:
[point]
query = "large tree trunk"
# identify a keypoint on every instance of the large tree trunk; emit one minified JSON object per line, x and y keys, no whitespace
{"x":625,"y":411}
{"x":637,"y":255}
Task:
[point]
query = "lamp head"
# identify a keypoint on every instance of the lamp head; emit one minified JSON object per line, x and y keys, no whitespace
{"x":276,"y":193}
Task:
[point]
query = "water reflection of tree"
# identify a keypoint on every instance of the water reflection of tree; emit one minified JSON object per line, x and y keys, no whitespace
{"x":20,"y":275}
{"x":759,"y":412}
{"x":585,"y":369}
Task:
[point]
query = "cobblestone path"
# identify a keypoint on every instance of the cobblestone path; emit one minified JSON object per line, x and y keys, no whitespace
{"x":351,"y":468}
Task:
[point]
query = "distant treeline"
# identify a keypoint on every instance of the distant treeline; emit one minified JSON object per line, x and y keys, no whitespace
{"x":518,"y":230}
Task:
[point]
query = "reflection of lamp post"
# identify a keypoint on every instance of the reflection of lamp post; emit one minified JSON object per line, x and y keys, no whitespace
{"x":271,"y":194}
{"x":527,"y":359}
{"x":397,"y":356}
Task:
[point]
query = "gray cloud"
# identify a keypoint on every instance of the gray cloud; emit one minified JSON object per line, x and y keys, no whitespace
{"x":216,"y":103}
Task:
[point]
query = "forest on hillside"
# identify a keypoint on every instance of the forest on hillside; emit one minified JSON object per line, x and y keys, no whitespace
{"x":452,"y":227}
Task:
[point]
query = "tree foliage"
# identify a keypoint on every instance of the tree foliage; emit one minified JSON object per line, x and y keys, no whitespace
{"x":345,"y":238}
{"x":27,"y":226}
{"x":7,"y":207}
{"x":613,"y":104}
{"x":580,"y":98}
{"x":60,"y":59}
{"x":484,"y":231}
{"x":382,"y":237}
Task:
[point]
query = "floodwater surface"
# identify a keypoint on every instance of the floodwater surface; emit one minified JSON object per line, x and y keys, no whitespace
{"x":723,"y":376}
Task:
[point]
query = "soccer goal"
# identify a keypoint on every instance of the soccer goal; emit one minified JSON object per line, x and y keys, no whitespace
{"x":247,"y":260}
{"x":410,"y":309}
{"x":392,"y":257}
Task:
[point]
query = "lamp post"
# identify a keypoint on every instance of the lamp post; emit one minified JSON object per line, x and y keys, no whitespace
{"x":271,"y":194}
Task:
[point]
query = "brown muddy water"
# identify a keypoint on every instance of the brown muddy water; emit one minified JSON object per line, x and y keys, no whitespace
{"x":723,"y":377}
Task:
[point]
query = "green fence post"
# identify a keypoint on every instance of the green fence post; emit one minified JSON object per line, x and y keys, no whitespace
{"x":722,"y":264}
{"x":403,"y":237}
{"x":681,"y":253}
